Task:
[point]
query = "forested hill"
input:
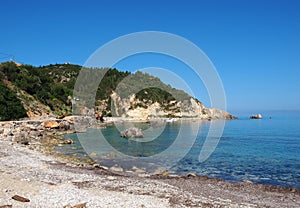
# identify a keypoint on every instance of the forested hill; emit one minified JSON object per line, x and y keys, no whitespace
{"x":27,"y":90}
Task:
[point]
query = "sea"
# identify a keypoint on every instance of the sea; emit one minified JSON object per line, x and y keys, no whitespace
{"x":263,"y":151}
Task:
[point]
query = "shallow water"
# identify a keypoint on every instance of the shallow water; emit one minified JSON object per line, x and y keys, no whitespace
{"x":264,"y":151}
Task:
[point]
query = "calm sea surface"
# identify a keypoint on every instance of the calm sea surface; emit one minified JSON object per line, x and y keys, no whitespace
{"x":264,"y":151}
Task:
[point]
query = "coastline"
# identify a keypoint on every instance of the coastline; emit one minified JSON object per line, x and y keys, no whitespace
{"x":50,"y":181}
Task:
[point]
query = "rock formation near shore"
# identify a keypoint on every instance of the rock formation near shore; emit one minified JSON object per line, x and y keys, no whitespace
{"x":31,"y":132}
{"x":190,"y":108}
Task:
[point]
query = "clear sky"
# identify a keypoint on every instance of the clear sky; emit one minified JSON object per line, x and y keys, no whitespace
{"x":254,"y":44}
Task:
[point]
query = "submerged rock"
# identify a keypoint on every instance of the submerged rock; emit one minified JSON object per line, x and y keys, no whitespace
{"x":132,"y":133}
{"x":93,"y":154}
{"x":161,"y":172}
{"x":67,"y":141}
{"x":116,"y":168}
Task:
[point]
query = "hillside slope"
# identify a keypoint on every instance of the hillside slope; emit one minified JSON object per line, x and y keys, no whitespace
{"x":48,"y":90}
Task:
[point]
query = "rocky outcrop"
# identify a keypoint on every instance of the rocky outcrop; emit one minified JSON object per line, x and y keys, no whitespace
{"x":134,"y":108}
{"x":257,"y":116}
{"x":23,"y":132}
{"x":213,"y":113}
{"x":132,"y":133}
{"x":29,"y":132}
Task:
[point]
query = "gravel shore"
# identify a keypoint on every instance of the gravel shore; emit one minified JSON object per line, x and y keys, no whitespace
{"x":47,"y":181}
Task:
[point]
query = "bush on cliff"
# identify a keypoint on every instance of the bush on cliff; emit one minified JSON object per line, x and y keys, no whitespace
{"x":10,"y":106}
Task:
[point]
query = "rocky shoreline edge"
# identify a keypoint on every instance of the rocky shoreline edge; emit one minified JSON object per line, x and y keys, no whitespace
{"x":30,"y":168}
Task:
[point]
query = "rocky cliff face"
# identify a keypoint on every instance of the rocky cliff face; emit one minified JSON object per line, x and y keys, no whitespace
{"x":134,"y":108}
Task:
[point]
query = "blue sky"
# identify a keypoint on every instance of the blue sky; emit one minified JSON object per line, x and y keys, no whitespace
{"x":254,"y":45}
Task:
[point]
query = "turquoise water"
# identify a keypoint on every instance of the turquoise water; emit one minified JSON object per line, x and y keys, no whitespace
{"x":264,"y":151}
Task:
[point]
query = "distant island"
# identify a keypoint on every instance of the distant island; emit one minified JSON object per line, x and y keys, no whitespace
{"x":35,"y":92}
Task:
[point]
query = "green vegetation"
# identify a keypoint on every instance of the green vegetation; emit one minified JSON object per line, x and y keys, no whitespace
{"x":155,"y":95}
{"x":155,"y":89}
{"x":53,"y":86}
{"x":10,"y":107}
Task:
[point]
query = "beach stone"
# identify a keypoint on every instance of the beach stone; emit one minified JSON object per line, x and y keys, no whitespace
{"x":191,"y":175}
{"x":68,"y":141}
{"x":132,"y":133}
{"x":116,"y":168}
{"x":247,"y":181}
{"x":111,"y":155}
{"x":138,"y":170}
{"x":103,"y":167}
{"x":160,"y":171}
{"x":93,"y":154}
{"x":165,"y":173}
{"x":111,"y":178}
{"x":96,"y":165}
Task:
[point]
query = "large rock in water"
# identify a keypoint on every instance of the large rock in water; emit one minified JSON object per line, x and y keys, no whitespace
{"x":257,"y":116}
{"x":132,"y":133}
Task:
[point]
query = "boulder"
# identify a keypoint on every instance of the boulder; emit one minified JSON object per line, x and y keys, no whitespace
{"x":21,"y":137}
{"x":51,"y":124}
{"x":69,"y":141}
{"x":257,"y":116}
{"x":132,"y":133}
{"x":64,"y":125}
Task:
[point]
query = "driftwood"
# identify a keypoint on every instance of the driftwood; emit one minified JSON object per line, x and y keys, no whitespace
{"x":80,"y":205}
{"x":6,"y":206}
{"x":20,"y":198}
{"x":76,"y":206}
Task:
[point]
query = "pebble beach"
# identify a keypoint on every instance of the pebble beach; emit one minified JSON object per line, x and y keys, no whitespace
{"x":30,"y":170}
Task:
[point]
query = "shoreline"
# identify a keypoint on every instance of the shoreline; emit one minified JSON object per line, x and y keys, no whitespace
{"x":31,"y":171}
